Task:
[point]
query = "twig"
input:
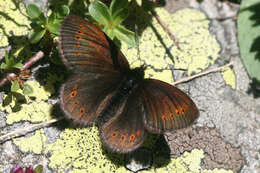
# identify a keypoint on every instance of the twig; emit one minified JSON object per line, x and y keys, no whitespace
{"x":202,"y":74}
{"x":35,"y":126}
{"x":234,"y":5}
{"x":8,"y":77}
{"x":33,"y":60}
{"x":29,"y":63}
{"x":167,"y":30}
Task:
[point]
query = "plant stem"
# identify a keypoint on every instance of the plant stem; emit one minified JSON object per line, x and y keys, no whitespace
{"x":166,"y":29}
{"x":35,"y":126}
{"x":11,"y":76}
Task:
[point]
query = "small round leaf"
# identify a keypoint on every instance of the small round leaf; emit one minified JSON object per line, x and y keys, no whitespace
{"x":118,"y":5}
{"x":15,"y":86}
{"x":35,"y":13}
{"x":36,"y":35}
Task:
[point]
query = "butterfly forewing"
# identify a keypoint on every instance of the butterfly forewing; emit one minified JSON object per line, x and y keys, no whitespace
{"x":85,"y":48}
{"x":125,"y":131}
{"x":92,"y":57}
{"x":166,"y":107}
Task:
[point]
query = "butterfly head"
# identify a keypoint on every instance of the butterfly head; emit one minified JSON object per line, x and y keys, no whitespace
{"x":138,"y":72}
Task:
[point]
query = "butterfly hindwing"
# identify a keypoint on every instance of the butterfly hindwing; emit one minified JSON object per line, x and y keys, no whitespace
{"x":83,"y":95}
{"x":166,"y":107}
{"x":125,"y":131}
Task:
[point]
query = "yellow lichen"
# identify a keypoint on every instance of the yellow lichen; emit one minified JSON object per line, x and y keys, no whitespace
{"x":33,"y":110}
{"x":199,"y":48}
{"x":34,"y":144}
{"x":13,"y":20}
{"x":81,"y":149}
{"x":229,"y":76}
{"x":39,"y":91}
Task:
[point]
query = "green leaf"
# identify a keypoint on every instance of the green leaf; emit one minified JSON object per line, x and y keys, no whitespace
{"x":62,"y":11}
{"x":4,"y":66}
{"x":120,"y":16}
{"x":58,"y":14}
{"x":27,"y":89}
{"x":18,"y":65}
{"x":117,"y":5}
{"x":39,"y":169}
{"x":110,"y":33}
{"x":100,"y":13}
{"x":56,"y":17}
{"x":7,"y":57}
{"x":125,"y":35}
{"x":8,"y":99}
{"x":15,"y":86}
{"x":52,"y":18}
{"x":53,"y":28}
{"x":34,"y":25}
{"x":249,"y":36}
{"x":10,"y":62}
{"x":18,"y":50}
{"x":37,"y":35}
{"x":35,"y":13}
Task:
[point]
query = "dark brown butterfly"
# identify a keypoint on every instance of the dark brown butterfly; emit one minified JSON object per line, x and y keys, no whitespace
{"x":104,"y":90}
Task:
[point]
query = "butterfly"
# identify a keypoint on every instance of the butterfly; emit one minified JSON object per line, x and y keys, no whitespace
{"x":104,"y":90}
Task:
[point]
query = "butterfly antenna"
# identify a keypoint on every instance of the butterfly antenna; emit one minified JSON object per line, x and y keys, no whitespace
{"x":137,"y":41}
{"x":143,"y":66}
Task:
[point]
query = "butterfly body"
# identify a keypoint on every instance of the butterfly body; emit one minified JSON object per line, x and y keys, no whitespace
{"x":104,"y":90}
{"x":131,"y":80}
